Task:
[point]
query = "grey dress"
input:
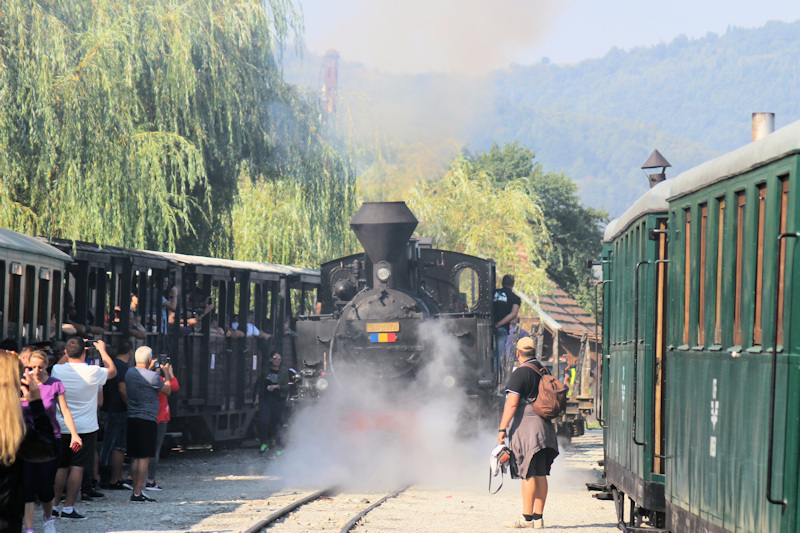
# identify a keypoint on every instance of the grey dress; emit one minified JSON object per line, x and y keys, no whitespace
{"x":529,"y":433}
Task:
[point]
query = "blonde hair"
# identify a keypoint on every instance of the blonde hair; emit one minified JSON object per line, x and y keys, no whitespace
{"x":41,"y":356}
{"x":10,"y":408}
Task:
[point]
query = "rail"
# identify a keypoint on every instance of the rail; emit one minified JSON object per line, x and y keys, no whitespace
{"x":360,"y":515}
{"x":280,"y":513}
{"x":770,"y":454}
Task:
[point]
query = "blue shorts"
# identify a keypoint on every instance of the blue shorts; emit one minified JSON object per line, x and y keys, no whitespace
{"x":116,"y":429}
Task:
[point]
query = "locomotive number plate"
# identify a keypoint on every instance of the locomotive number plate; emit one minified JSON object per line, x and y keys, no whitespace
{"x":383,"y":327}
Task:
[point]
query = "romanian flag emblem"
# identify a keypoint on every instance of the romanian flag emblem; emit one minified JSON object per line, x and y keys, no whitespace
{"x":383,"y":337}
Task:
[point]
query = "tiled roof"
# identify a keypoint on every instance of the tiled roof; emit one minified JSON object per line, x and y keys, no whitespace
{"x":558,"y":306}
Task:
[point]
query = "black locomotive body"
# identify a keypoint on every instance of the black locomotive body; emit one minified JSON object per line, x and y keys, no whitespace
{"x":374,"y":309}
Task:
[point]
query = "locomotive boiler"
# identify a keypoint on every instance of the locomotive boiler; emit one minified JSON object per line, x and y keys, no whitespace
{"x":373,"y":308}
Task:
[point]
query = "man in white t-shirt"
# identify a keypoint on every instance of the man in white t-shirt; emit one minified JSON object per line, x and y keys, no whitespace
{"x":81,"y":383}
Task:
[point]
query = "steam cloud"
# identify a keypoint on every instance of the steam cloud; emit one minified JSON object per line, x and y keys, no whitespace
{"x":464,"y":36}
{"x":376,"y":436}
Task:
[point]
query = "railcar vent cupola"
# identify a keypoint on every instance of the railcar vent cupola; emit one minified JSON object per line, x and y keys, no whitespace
{"x":656,"y":160}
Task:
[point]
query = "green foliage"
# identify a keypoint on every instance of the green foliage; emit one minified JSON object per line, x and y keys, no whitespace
{"x":291,"y":222}
{"x":575,"y":230}
{"x":467,"y":212}
{"x":127,"y":123}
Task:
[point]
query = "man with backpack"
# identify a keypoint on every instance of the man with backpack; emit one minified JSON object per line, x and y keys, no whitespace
{"x":530,"y":432}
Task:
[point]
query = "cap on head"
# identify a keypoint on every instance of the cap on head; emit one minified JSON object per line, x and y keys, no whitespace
{"x":143,"y":355}
{"x":526,"y":347}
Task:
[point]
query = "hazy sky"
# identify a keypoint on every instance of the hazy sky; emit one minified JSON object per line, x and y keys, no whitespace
{"x":475,"y":36}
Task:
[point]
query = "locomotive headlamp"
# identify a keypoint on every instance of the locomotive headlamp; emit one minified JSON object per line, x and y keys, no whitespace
{"x":322,"y":384}
{"x":383,"y":273}
{"x":449,"y":382}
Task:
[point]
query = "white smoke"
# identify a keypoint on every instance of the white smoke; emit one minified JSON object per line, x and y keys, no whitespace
{"x":376,"y":435}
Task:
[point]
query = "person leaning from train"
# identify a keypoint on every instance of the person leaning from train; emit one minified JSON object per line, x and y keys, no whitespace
{"x":271,"y":401}
{"x":531,"y":438}
{"x":18,"y":440}
{"x":505,"y":308}
{"x":40,"y":477}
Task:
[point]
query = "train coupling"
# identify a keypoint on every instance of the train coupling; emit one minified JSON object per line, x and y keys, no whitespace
{"x":603,"y":491}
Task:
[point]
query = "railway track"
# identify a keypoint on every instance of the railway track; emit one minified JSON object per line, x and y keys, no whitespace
{"x":330,"y":493}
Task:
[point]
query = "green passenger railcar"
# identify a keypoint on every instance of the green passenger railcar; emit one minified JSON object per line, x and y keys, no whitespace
{"x":697,"y":402}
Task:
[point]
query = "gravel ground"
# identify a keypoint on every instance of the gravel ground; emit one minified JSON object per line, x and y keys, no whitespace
{"x":228,"y":491}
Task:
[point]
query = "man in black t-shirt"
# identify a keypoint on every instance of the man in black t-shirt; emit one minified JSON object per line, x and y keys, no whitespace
{"x":114,"y":414}
{"x":531,"y":438}
{"x":505,"y":308}
{"x":271,"y":401}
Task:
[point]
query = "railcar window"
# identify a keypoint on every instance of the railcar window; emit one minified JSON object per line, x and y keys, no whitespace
{"x":15,"y":285}
{"x":701,"y":274}
{"x":782,"y":272}
{"x":3,"y":310}
{"x":30,"y":286}
{"x":42,"y":320}
{"x":687,"y":273}
{"x":467,"y":289}
{"x":720,"y":250}
{"x":737,"y":295}
{"x":55,"y":304}
{"x":758,"y":296}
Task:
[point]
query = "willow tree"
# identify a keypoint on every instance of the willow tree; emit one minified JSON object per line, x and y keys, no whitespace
{"x":128,"y":123}
{"x":299,"y":214}
{"x":467,"y":212}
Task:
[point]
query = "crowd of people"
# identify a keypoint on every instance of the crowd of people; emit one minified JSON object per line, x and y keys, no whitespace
{"x":51,"y":410}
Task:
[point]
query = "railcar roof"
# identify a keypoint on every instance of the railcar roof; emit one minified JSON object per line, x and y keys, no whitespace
{"x":239,"y":265}
{"x":25,"y":243}
{"x":781,"y":143}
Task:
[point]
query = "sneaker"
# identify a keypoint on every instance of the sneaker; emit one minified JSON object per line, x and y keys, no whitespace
{"x":85,"y":497}
{"x":73,"y":515}
{"x":538,"y":524}
{"x":50,"y":525}
{"x":120,"y":485}
{"x":56,"y":511}
{"x":263,"y":449}
{"x":152,"y":486}
{"x":94,"y":493}
{"x":521,"y":523}
{"x":141,"y":498}
{"x":128,"y":484}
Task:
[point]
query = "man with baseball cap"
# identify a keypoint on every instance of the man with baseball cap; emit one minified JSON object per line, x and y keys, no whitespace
{"x":531,"y":438}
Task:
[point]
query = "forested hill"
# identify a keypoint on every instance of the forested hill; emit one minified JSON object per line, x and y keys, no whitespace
{"x":597,"y":120}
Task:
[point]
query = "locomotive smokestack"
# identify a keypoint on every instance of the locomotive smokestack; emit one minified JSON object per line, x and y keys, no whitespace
{"x":763,"y":125}
{"x":383,"y":229}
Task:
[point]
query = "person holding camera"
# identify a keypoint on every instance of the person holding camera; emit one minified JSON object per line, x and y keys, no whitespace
{"x":163,"y":420}
{"x":81,"y":383}
{"x":143,"y":387}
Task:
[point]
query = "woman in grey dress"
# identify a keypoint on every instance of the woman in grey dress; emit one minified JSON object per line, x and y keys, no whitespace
{"x":531,"y":438}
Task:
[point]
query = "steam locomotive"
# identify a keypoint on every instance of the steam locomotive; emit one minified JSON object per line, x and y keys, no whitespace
{"x":373,"y":308}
